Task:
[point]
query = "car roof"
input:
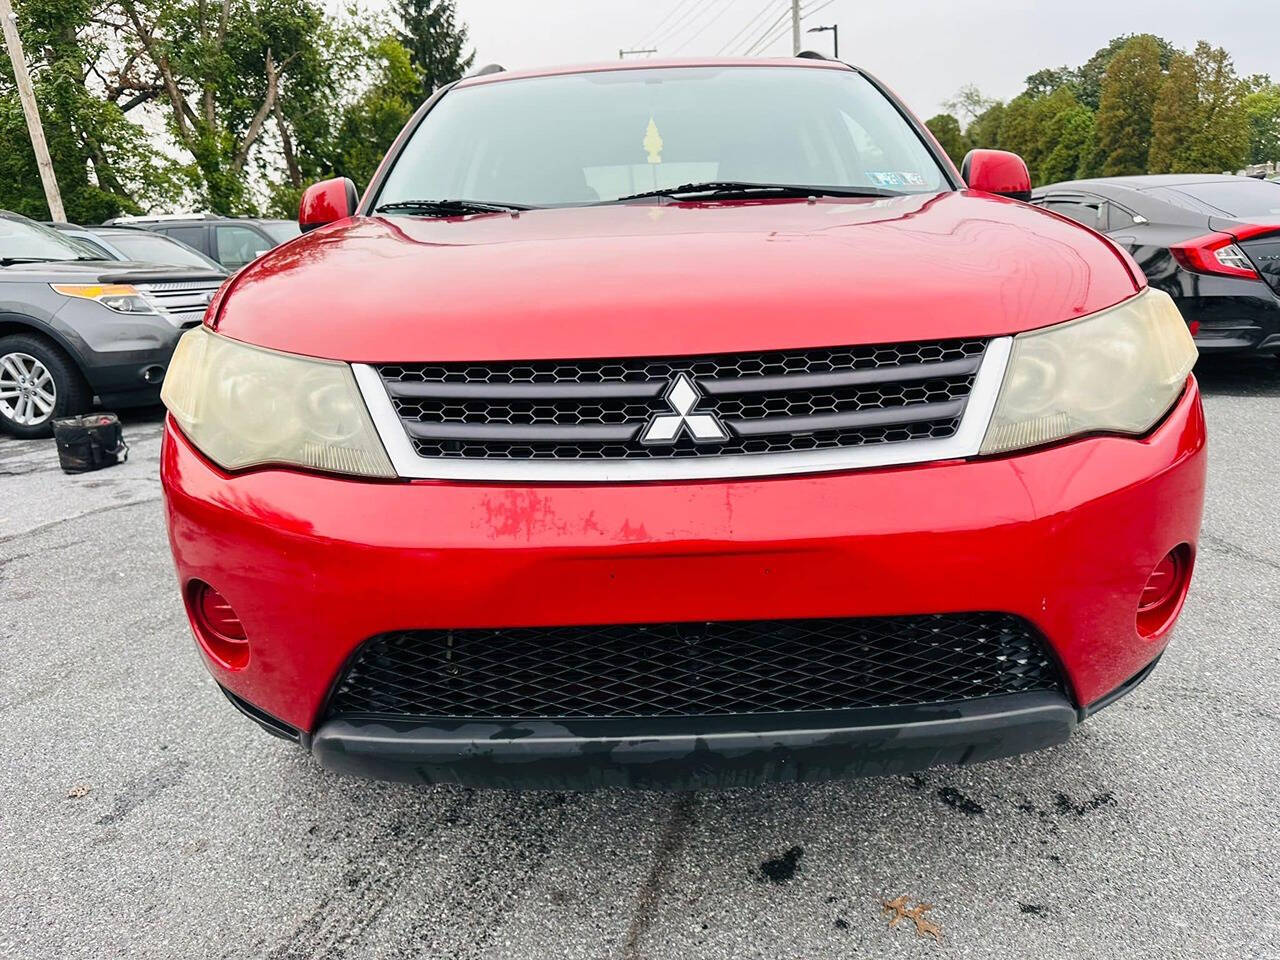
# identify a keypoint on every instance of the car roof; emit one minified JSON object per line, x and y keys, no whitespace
{"x":1145,"y":182}
{"x":500,"y":76}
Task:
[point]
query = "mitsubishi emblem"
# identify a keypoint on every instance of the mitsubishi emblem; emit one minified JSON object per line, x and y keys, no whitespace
{"x":682,"y":396}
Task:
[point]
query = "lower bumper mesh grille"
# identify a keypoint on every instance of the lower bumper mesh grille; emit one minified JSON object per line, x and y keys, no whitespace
{"x":695,"y":669}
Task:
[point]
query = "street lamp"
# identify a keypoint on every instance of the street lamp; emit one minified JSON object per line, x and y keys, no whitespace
{"x":834,"y":30}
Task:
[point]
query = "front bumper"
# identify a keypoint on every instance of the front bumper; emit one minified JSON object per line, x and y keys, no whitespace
{"x":124,"y":358}
{"x":1064,"y":537}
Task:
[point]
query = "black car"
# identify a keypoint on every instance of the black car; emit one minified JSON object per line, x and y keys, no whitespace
{"x":138,"y":245}
{"x":1211,"y":242}
{"x":233,"y":241}
{"x":75,"y":327}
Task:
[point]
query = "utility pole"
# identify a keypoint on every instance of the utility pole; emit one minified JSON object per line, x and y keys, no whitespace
{"x":32,"y":112}
{"x":795,"y":27}
{"x":622,"y":54}
{"x":834,"y":30}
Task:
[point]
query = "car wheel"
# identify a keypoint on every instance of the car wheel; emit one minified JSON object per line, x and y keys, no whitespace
{"x":38,"y":382}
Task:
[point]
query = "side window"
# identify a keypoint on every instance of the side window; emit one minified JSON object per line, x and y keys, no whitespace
{"x":1077,"y":210}
{"x":192,"y":236}
{"x":1118,"y":218}
{"x":237,"y":245}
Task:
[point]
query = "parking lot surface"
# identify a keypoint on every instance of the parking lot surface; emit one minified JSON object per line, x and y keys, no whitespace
{"x":141,"y":816}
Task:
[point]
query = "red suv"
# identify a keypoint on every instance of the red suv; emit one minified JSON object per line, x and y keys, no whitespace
{"x":675,"y":424}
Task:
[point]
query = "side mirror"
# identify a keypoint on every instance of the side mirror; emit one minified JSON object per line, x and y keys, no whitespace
{"x":997,"y":171}
{"x":327,"y":202}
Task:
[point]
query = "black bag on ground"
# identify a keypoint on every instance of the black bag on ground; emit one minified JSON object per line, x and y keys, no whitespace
{"x":90,"y":442}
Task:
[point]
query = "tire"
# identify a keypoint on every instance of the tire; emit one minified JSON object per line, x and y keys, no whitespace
{"x":38,"y":382}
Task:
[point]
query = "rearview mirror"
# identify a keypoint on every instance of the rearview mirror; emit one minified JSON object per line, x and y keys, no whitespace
{"x":327,"y":202}
{"x":997,"y":171}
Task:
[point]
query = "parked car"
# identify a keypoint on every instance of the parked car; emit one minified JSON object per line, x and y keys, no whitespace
{"x":681,"y":423}
{"x":232,"y":241}
{"x":1211,"y":242}
{"x":137,"y":245}
{"x":75,"y":327}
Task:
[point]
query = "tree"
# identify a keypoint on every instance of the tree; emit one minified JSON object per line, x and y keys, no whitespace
{"x":947,"y":130}
{"x":1174,"y":118}
{"x":1200,"y":123}
{"x":1128,"y":93}
{"x":1071,"y":135}
{"x":984,"y":130}
{"x":435,"y":42}
{"x":969,"y":102}
{"x":1262,"y":108}
{"x":1046,"y":81}
{"x":220,"y":70}
{"x":105,"y":163}
{"x":1088,"y":78}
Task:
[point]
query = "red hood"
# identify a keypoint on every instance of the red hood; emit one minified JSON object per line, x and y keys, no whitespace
{"x":642,"y":280}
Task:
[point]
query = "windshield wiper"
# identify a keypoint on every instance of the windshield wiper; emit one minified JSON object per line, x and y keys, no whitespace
{"x":10,"y":261}
{"x":738,"y":188}
{"x":449,"y":208}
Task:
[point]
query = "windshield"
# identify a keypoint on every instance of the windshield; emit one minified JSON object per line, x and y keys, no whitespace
{"x":1241,"y":197}
{"x":152,"y":248}
{"x":281,"y":230}
{"x":27,"y":240}
{"x":592,"y":137}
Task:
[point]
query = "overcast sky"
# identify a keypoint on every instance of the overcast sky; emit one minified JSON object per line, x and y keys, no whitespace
{"x":924,"y":49}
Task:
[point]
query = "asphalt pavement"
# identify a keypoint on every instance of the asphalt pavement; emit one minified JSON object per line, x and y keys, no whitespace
{"x":140,"y":816}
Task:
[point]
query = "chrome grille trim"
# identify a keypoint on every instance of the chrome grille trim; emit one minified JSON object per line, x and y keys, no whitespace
{"x":184,"y":300}
{"x":964,"y":443}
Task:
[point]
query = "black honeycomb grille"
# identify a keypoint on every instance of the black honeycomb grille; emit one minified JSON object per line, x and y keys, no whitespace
{"x":694,"y":669}
{"x":768,"y":402}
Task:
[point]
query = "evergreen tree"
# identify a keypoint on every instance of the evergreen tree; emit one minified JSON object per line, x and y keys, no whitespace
{"x":1200,"y":123}
{"x":435,"y":41}
{"x":1174,"y":118}
{"x":1128,"y":94}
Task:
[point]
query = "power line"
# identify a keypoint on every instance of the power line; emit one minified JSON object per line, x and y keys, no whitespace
{"x":748,"y":27}
{"x":682,"y":23}
{"x":703,"y":29}
{"x":805,"y":14}
{"x":778,"y":20}
{"x":665,"y":21}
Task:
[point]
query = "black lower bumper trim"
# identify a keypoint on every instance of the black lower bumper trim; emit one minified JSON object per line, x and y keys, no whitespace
{"x":1120,"y":691}
{"x":277,"y":728}
{"x":688,"y":753}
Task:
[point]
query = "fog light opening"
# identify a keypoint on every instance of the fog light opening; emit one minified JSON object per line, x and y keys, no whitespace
{"x":1165,"y":590}
{"x":218,"y":628}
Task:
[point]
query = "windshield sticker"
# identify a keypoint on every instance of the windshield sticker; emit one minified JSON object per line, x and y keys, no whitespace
{"x":653,"y":142}
{"x":896,"y":178}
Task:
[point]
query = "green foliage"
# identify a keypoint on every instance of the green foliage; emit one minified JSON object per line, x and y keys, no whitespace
{"x":1088,"y":78}
{"x":1200,"y":123}
{"x":435,"y":42}
{"x":984,"y":131}
{"x":1128,"y":93}
{"x":105,"y":163}
{"x":947,"y":130}
{"x":1262,"y":110}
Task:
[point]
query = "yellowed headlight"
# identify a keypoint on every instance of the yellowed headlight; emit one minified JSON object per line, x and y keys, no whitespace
{"x":246,"y":406}
{"x":1118,"y":371}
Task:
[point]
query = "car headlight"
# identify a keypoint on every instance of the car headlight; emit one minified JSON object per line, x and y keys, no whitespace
{"x":244,"y":406}
{"x":1118,"y":371}
{"x":117,"y":297}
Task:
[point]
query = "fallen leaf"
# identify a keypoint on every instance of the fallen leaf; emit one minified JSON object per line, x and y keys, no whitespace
{"x":899,"y":911}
